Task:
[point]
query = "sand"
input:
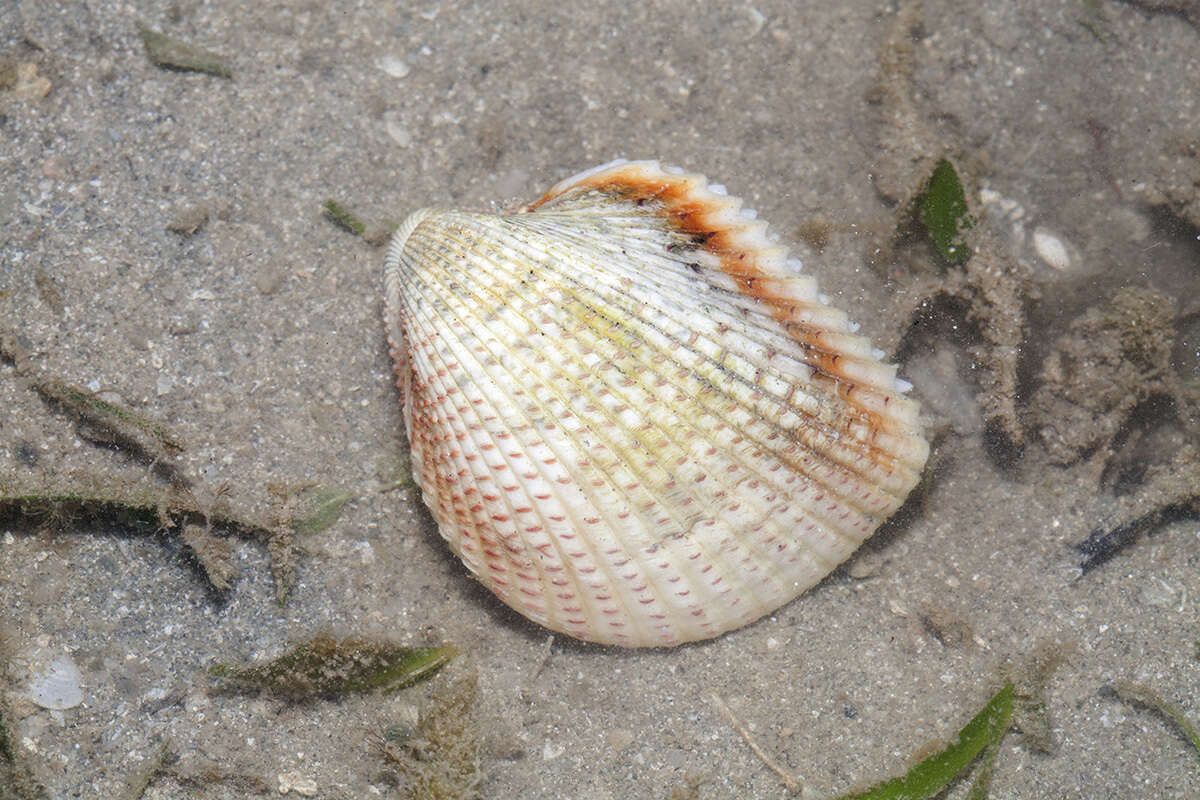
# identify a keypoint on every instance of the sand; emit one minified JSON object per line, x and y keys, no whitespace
{"x":257,"y":338}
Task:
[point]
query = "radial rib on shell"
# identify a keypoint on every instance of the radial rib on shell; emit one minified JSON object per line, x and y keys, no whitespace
{"x":630,"y":415}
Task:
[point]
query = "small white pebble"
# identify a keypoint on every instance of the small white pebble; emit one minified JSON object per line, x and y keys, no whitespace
{"x":1051,"y":249}
{"x":393,"y":66}
{"x":551,"y":751}
{"x":396,"y":129}
{"x":717,"y":188}
{"x":291,"y":782}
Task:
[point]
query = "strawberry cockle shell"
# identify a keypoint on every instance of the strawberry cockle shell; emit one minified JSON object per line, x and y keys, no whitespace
{"x":630,"y":415}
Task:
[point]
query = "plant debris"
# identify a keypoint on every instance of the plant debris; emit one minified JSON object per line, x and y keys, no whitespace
{"x":175,"y":54}
{"x":105,"y":423}
{"x":981,"y":786}
{"x":183,"y":505}
{"x":213,"y":553}
{"x":1171,"y":491}
{"x":298,"y":510}
{"x":440,"y":759}
{"x":988,"y":288}
{"x":342,"y":217}
{"x":790,"y":781}
{"x":99,"y":421}
{"x":325,"y":505}
{"x":49,"y":292}
{"x":936,"y":772}
{"x":188,"y":220}
{"x":1138,"y":694}
{"x":139,"y":781}
{"x":1112,"y":359}
{"x":942,"y":209}
{"x":62,"y":501}
{"x":905,"y":142}
{"x":933,"y":773}
{"x":990,"y":291}
{"x":325,"y":665}
{"x":1030,"y":676}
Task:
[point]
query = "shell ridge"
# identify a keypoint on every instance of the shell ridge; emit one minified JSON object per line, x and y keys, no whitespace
{"x":479,"y":521}
{"x":596,"y":503}
{"x":598,"y":301}
{"x":847,"y":462}
{"x":834,"y":342}
{"x":837,"y":531}
{"x":693,"y":206}
{"x":481,"y":524}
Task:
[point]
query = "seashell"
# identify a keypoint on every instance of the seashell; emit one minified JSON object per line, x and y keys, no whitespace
{"x":630,"y":415}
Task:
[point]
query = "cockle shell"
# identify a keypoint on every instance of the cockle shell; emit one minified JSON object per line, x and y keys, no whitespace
{"x":630,"y":415}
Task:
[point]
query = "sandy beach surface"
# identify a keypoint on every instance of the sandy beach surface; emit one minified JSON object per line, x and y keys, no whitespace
{"x":163,"y":244}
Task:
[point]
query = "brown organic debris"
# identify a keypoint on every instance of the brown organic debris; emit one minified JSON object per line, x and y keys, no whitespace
{"x":171,"y":53}
{"x":97,"y":420}
{"x":950,"y":628}
{"x":49,"y":292}
{"x":906,"y":146}
{"x":139,"y":781}
{"x":16,"y":780}
{"x":441,"y":758}
{"x":1171,"y":492}
{"x":994,"y":289}
{"x":214,"y":554}
{"x":1173,"y":182}
{"x":21,"y":81}
{"x":1031,"y":677}
{"x":790,"y":782}
{"x":327,"y":665}
{"x":1188,"y":9}
{"x":297,"y":510}
{"x":1111,"y":360}
{"x":1142,"y":695}
{"x":188,"y":220}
